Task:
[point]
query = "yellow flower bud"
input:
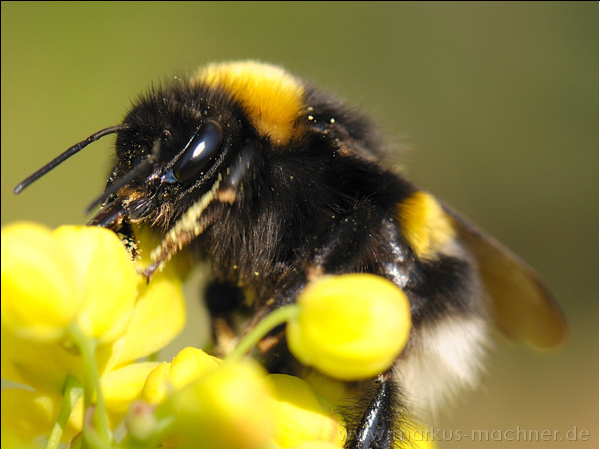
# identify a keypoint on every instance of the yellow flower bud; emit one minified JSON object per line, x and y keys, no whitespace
{"x":141,"y":422}
{"x":226,"y":408}
{"x":187,"y":366}
{"x":350,"y":327}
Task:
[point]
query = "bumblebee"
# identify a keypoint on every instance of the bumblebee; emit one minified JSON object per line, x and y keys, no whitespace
{"x":275,"y":183}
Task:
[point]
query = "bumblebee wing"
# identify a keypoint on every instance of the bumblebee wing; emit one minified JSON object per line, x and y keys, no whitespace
{"x":522,"y":306}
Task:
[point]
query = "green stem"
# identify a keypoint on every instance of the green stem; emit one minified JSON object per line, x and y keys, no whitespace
{"x":73,"y":390}
{"x":93,"y":392}
{"x":268,"y":323}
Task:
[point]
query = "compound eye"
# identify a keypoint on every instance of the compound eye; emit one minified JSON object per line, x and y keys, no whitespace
{"x":200,"y":153}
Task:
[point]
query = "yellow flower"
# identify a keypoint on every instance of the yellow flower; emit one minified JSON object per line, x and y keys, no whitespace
{"x":299,"y":414}
{"x":350,"y":327}
{"x":77,"y":278}
{"x":226,"y":408}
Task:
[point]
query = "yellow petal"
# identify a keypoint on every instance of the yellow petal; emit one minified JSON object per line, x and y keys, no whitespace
{"x":350,"y":327}
{"x":39,"y":297}
{"x":27,"y":413}
{"x":301,"y":415}
{"x":155,"y":387}
{"x":41,"y":366}
{"x":106,"y":276}
{"x":14,"y":441}
{"x":124,"y":385}
{"x":159,"y":316}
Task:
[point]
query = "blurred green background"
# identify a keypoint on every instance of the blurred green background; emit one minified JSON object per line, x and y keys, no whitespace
{"x":497,"y":101}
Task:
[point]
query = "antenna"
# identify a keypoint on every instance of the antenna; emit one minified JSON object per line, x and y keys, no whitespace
{"x":67,"y":154}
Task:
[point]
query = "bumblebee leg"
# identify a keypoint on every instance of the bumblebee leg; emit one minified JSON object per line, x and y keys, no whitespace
{"x":376,"y":428}
{"x":226,"y":307}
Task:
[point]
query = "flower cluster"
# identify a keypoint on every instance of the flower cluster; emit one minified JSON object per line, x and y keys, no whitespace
{"x":79,"y":325}
{"x":76,"y":317}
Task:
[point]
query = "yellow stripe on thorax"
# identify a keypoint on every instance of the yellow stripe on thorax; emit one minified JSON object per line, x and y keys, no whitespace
{"x":424,"y":224}
{"x":272,"y":98}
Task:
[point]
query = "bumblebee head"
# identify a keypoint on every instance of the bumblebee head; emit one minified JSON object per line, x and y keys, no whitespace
{"x":198,"y":137}
{"x":189,"y":149}
{"x":179,"y":140}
